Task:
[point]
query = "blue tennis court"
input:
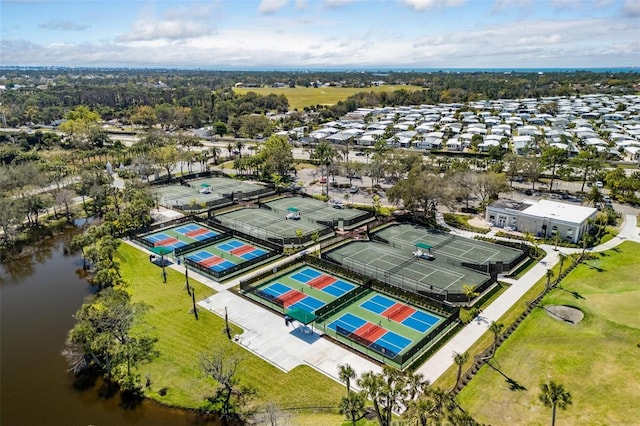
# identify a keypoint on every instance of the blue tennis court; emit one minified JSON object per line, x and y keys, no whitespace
{"x":378,"y":304}
{"x":196,"y":232}
{"x":199,"y":256}
{"x":306,"y":275}
{"x":309,"y":303}
{"x":211,"y":261}
{"x":157,"y":237}
{"x":253,"y":254}
{"x":349,"y":322}
{"x":421,"y":321}
{"x":337,"y":288}
{"x":393,"y":342}
{"x":230,"y":245}
{"x":275,"y":289}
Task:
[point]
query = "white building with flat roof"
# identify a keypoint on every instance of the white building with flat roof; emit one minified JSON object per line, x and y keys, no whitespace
{"x":542,"y":218}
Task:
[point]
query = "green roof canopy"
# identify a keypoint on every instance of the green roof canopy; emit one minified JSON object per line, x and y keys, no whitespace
{"x":161,"y":250}
{"x":293,"y":209}
{"x":301,"y":315}
{"x":205,"y":185}
{"x":424,"y":246}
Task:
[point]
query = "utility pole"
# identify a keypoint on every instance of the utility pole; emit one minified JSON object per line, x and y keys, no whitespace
{"x":193,"y":299}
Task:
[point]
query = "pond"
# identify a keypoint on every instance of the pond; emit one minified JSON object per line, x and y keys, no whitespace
{"x":38,"y":296}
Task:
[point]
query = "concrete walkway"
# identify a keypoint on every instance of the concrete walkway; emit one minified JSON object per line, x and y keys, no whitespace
{"x":461,"y":342}
{"x":266,"y":335}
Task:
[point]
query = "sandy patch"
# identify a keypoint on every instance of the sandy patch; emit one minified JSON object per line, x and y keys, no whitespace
{"x":564,"y":313}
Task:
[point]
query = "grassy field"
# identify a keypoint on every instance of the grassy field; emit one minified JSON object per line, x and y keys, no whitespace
{"x":596,"y":360}
{"x":300,"y":97}
{"x":182,"y":341}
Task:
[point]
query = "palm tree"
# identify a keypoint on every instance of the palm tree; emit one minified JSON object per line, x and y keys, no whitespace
{"x":496,"y":328}
{"x":239,"y":146}
{"x":346,"y":373}
{"x":352,"y":406}
{"x":459,"y":359}
{"x":561,"y":257}
{"x":549,"y":275}
{"x":372,"y":385}
{"x":325,"y":154}
{"x":553,"y":395}
{"x":469,"y":291}
{"x":230,"y":148}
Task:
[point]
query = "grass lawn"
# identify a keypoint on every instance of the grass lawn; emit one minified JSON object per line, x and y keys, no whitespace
{"x":300,"y":97}
{"x":182,"y":340}
{"x":596,"y":360}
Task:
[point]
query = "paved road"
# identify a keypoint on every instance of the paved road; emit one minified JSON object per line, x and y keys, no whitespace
{"x":440,"y":362}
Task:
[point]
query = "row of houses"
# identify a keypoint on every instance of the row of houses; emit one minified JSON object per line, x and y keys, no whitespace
{"x":609,"y":123}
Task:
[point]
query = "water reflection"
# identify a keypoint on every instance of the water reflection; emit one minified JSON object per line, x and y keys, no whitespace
{"x":38,"y":297}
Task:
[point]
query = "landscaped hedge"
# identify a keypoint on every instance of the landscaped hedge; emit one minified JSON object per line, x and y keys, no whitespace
{"x":462,"y":222}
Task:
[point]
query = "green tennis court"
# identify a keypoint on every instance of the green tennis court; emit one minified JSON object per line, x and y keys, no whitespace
{"x":406,"y":236}
{"x":319,"y":211}
{"x":251,"y":221}
{"x":208,"y":191}
{"x":400,"y":268}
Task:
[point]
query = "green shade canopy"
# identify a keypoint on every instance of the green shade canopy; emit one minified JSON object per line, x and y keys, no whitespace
{"x":205,"y":185}
{"x":301,"y":315}
{"x":293,"y":209}
{"x":424,"y":246}
{"x":161,"y":250}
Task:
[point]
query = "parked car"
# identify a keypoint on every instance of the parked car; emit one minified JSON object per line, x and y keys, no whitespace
{"x":599,"y":184}
{"x":354,"y":189}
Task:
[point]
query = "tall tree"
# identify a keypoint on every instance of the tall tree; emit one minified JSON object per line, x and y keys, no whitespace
{"x":346,"y":373}
{"x":325,"y":154}
{"x":589,"y":162}
{"x":553,"y":157}
{"x":553,"y":395}
{"x":459,"y":360}
{"x":103,"y":337}
{"x":277,"y":155}
{"x":165,"y":157}
{"x":496,"y":329}
{"x":231,"y":398}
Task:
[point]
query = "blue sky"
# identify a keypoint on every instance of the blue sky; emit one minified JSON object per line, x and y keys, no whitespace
{"x":267,"y":34}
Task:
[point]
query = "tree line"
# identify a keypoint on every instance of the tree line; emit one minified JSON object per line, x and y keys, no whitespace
{"x":187,"y":98}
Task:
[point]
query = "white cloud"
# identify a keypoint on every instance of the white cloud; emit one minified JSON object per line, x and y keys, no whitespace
{"x":338,"y":3}
{"x":271,"y":6}
{"x":631,"y":8}
{"x":541,"y":43}
{"x":62,"y":25}
{"x":145,"y":30}
{"x":179,"y":23}
{"x":420,"y":5}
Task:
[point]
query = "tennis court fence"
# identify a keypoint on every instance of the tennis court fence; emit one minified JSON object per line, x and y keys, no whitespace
{"x":388,"y":277}
{"x":190,"y":247}
{"x":387,"y":356}
{"x":270,"y":236}
{"x":220,"y":275}
{"x":138,"y":236}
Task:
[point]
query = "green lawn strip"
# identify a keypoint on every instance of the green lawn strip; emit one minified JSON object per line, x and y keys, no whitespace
{"x":300,"y":97}
{"x":447,"y":380}
{"x":594,"y":359}
{"x":182,"y":341}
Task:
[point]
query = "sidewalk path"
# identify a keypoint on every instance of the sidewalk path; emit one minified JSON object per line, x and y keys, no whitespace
{"x":266,"y":335}
{"x":461,"y":342}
